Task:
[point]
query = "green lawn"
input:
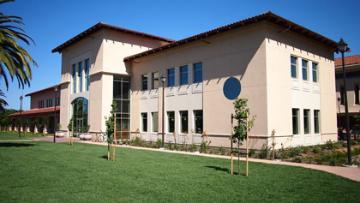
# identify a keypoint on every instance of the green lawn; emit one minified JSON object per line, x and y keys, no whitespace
{"x":46,"y":172}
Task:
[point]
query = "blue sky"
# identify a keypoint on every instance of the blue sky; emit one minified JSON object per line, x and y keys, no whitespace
{"x":51,"y":23}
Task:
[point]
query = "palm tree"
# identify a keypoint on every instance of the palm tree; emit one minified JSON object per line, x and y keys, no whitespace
{"x":15,"y":61}
{"x":3,"y":103}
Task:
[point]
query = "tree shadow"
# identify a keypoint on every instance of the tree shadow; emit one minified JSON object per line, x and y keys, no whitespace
{"x":104,"y":157}
{"x":15,"y":144}
{"x":218,"y":168}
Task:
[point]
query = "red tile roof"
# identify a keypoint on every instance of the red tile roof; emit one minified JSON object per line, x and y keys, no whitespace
{"x":101,"y":25}
{"x":33,"y":112}
{"x":349,"y":60}
{"x":268,"y":16}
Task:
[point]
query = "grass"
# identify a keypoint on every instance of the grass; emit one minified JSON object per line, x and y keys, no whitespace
{"x":12,"y":135}
{"x":46,"y":172}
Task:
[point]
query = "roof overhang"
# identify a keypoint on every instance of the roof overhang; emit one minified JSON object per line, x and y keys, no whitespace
{"x":268,"y":16}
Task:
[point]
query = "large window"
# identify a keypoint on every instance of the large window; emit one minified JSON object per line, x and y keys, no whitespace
{"x":184,"y":79}
{"x":121,"y":97}
{"x":144,"y":121}
{"x":74,"y":77}
{"x":197,"y":73}
{"x":80,"y":75}
{"x":155,"y":80}
{"x":171,"y":121}
{"x":293,"y":66}
{"x":41,"y":104}
{"x":356,"y":93}
{"x":171,"y":77}
{"x":198,"y":118}
{"x":306,"y":121}
{"x":315,"y":74}
{"x":295,"y":121}
{"x":304,"y":69}
{"x":144,"y":82}
{"x":57,"y":101}
{"x":183,"y":121}
{"x":155,"y":121}
{"x":87,"y":74}
{"x":80,"y":114}
{"x":316,"y":121}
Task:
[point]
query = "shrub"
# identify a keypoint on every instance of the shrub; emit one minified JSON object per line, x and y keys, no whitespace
{"x":204,"y":146}
{"x":252,"y":153}
{"x":193,"y":148}
{"x":295,"y":151}
{"x":264,"y":152}
{"x":158,"y":143}
{"x":137,"y":142}
{"x":316,"y":149}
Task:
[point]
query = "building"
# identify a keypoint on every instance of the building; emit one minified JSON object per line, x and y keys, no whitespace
{"x":44,"y":108}
{"x":352,"y":66}
{"x":285,"y":71}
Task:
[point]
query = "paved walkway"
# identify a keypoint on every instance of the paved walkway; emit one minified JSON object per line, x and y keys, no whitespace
{"x":352,"y":173}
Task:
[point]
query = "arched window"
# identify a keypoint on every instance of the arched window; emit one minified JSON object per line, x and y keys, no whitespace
{"x":80,"y":114}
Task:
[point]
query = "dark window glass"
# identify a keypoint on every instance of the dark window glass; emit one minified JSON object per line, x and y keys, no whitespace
{"x":316,"y":121}
{"x":305,"y":69}
{"x":184,"y":79}
{"x":171,"y":77}
{"x":155,"y":80}
{"x":184,"y":121}
{"x":357,"y":99}
{"x":74,"y":77}
{"x":342,"y":95}
{"x":144,"y":82}
{"x":57,"y":101}
{"x":198,"y":116}
{"x":87,"y":74}
{"x":306,"y":121}
{"x":155,"y":121}
{"x":295,"y":121}
{"x":144,"y":122}
{"x":171,"y":121}
{"x":197,"y":72}
{"x":80,"y":75}
{"x":293,"y":67}
{"x":80,"y":115}
{"x":315,"y":72}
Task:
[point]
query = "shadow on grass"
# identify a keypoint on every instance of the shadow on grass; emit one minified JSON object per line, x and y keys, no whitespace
{"x":217,"y":168}
{"x":15,"y":144}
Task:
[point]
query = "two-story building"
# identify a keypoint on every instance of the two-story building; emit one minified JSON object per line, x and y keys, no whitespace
{"x":44,"y":108}
{"x":285,"y":70}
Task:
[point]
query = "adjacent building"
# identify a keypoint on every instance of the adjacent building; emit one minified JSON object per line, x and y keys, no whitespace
{"x":352,"y":66}
{"x":286,"y":72}
{"x":43,"y":115}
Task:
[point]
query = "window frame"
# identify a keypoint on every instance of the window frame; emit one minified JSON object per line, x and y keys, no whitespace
{"x":307,"y":119}
{"x":195,"y":66}
{"x":306,"y":68}
{"x":184,"y":75}
{"x":315,"y":80}
{"x":170,"y":74}
{"x":317,"y":128}
{"x":168,"y":121}
{"x":295,"y":131}
{"x":195,"y":121}
{"x":292,"y":65}
{"x":144,"y":82}
{"x":356,"y":94}
{"x":144,"y":115}
{"x":155,"y":80}
{"x":181,"y":121}
{"x":153,"y":123}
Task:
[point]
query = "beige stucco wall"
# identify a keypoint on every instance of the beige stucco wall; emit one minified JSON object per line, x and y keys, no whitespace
{"x":285,"y":93}
{"x":44,"y":95}
{"x":240,"y":53}
{"x":106,"y":50}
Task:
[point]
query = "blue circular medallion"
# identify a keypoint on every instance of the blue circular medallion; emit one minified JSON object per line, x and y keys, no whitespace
{"x":232,"y":88}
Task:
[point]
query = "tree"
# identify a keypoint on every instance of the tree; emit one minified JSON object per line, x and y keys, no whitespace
{"x":15,"y":61}
{"x":242,"y":126}
{"x":109,"y":123}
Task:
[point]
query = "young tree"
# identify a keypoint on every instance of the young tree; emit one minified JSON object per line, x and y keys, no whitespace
{"x":109,"y":122}
{"x":242,"y":126}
